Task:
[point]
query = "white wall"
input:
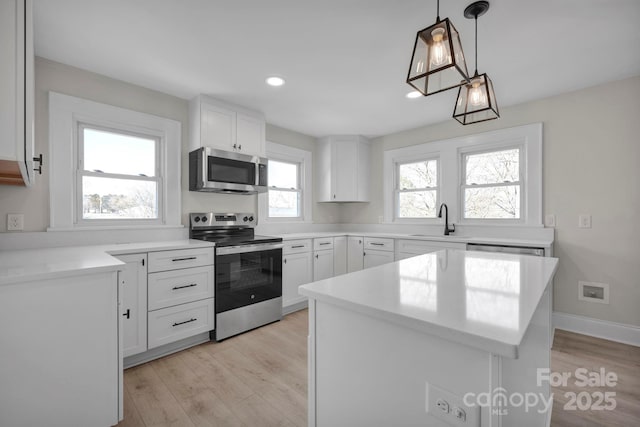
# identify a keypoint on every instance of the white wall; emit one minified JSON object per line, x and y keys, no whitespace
{"x":57,"y":77}
{"x":591,"y":165}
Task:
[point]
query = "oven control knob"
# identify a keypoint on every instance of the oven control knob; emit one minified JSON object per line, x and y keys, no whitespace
{"x":250,"y":218}
{"x":204,"y":219}
{"x":245,"y":219}
{"x":196,"y":219}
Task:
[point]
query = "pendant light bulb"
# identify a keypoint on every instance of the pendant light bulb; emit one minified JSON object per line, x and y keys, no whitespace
{"x":438,"y":49}
{"x":477,"y":98}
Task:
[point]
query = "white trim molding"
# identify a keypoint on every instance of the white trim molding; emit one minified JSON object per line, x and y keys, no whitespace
{"x":619,"y":332}
{"x":305,"y":160}
{"x":65,"y":114}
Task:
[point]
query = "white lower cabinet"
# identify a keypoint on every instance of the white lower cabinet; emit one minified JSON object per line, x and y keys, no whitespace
{"x":181,"y":321}
{"x":378,"y":251}
{"x":339,"y":255}
{"x":322,"y":264}
{"x":373,"y":258}
{"x":297,"y":270}
{"x":355,"y":253}
{"x":133,"y":308}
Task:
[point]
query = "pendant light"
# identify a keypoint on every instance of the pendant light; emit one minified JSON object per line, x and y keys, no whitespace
{"x":437,"y":63}
{"x":476,"y":99}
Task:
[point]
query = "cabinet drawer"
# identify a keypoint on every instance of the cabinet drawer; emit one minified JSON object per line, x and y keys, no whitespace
{"x":296,"y":246}
{"x":182,"y":321}
{"x":425,"y":246}
{"x":323,"y":243}
{"x":175,"y":287}
{"x":378,"y":244}
{"x":182,"y":258}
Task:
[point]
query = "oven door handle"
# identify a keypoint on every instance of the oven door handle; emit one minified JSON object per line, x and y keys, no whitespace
{"x":242,"y":249}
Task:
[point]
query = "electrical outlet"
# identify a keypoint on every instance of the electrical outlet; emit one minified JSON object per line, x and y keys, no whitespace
{"x":593,"y":292}
{"x":550,"y":220}
{"x":15,"y":222}
{"x":584,"y":221}
{"x":450,"y":408}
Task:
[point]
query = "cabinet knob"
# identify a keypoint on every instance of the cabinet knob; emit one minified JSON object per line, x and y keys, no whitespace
{"x":239,"y":146}
{"x":334,"y":196}
{"x":235,"y":146}
{"x":316,"y":255}
{"x":284,"y":260}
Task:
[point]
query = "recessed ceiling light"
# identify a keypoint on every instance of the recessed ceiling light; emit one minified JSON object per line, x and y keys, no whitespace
{"x":275,"y":81}
{"x":413,"y":94}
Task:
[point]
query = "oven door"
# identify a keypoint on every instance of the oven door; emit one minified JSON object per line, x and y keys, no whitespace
{"x":247,"y":275}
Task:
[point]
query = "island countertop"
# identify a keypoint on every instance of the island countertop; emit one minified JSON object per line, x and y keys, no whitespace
{"x":484,"y":300}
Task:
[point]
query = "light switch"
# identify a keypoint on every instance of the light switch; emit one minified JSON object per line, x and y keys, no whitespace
{"x":584,"y":221}
{"x":550,"y":220}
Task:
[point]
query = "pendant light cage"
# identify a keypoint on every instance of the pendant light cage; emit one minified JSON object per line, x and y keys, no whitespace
{"x":476,"y":100}
{"x":437,"y":62}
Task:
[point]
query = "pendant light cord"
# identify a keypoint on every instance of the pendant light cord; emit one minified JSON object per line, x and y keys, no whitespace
{"x":438,"y":10}
{"x":476,"y":73}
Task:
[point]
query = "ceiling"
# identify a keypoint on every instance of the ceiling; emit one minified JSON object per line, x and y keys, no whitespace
{"x":344,"y":61}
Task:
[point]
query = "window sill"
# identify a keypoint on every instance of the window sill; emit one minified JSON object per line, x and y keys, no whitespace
{"x":115,"y":227}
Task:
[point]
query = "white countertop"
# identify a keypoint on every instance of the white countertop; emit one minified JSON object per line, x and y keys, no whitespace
{"x":485,"y":300}
{"x":536,"y":243}
{"x":36,"y":264}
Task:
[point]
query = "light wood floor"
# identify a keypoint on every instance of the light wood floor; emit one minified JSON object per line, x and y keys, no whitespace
{"x":260,"y":379}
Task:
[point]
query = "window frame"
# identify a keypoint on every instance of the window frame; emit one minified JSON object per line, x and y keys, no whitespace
{"x":297,"y":190}
{"x":81,"y":172}
{"x":304,"y":159}
{"x":397,"y":190}
{"x":66,"y":115}
{"x":450,"y":151}
{"x":485,"y":149}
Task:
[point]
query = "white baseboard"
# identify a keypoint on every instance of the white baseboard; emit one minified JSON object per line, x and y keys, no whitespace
{"x":619,"y":332}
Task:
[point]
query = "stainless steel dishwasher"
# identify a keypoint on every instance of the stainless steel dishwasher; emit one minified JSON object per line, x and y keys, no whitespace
{"x":520,"y":250}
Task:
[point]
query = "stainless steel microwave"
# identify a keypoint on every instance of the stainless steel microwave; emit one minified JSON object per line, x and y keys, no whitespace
{"x":219,"y":171}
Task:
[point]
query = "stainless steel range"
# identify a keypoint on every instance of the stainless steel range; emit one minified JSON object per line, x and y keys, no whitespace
{"x":248,"y":271}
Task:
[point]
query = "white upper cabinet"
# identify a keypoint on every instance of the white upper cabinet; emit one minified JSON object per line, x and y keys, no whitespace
{"x":16,"y":93}
{"x":343,"y":169}
{"x":223,"y":126}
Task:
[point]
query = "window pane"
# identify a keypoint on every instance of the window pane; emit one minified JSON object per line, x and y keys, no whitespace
{"x":109,"y":198}
{"x":418,"y":175}
{"x":417,"y":204}
{"x":112,"y":152}
{"x":493,"y":168}
{"x":492,"y":202}
{"x":284,"y":204}
{"x":282,"y":175}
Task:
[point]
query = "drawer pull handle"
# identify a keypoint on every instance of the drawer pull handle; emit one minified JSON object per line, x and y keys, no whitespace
{"x":377,"y":244}
{"x":185,"y":286}
{"x":186,"y":321}
{"x":184,"y":259}
{"x":297,"y":246}
{"x":127,"y":314}
{"x":325,"y":243}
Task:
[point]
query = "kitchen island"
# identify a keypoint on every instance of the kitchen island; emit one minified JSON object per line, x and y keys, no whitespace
{"x":447,"y":338}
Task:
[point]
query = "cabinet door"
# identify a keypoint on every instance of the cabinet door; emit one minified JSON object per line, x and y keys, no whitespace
{"x":250,"y":135}
{"x":374,"y":258}
{"x":296,"y":270}
{"x":344,"y":170}
{"x":339,"y":255}
{"x":322,"y":264}
{"x":355,"y":254}
{"x":134,"y":304}
{"x":218,"y":127}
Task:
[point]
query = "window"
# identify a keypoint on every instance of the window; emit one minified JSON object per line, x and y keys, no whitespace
{"x":112,"y":167}
{"x":417,"y":189}
{"x":284,"y":189}
{"x":491,"y":178}
{"x":289,"y":180}
{"x":117,"y":175}
{"x":491,"y":185}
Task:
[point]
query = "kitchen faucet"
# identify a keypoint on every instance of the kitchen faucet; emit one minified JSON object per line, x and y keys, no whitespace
{"x":447,"y":230}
